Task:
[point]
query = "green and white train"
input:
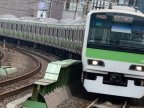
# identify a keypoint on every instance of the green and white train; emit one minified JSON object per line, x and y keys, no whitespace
{"x":113,"y":53}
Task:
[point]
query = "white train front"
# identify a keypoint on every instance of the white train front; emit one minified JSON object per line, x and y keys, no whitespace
{"x":113,"y":53}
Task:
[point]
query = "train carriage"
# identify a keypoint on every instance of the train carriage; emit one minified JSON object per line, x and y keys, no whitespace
{"x":113,"y":53}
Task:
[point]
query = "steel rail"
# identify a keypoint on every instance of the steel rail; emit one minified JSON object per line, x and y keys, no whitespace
{"x":25,"y":87}
{"x":22,"y":77}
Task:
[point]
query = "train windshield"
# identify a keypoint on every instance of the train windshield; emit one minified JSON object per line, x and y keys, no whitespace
{"x":116,"y":32}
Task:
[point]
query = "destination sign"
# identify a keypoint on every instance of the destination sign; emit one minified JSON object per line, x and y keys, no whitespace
{"x":101,"y":16}
{"x":124,"y":19}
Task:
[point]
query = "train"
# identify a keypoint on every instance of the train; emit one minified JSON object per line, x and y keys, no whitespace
{"x":48,"y":32}
{"x":110,"y":43}
{"x":113,"y":52}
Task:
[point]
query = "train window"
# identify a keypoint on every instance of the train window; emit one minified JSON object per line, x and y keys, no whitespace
{"x":21,"y":28}
{"x":58,"y":32}
{"x":73,"y":35}
{"x":55,"y":32}
{"x":65,"y":33}
{"x":52,"y":32}
{"x":62,"y":33}
{"x":1,"y":24}
{"x":48,"y":30}
{"x":35,"y":30}
{"x":45,"y":31}
{"x":24,"y":28}
{"x":30,"y":29}
{"x":27,"y":28}
{"x":12,"y":26}
{"x":40,"y":30}
{"x":78,"y":35}
{"x":81,"y":34}
{"x":6,"y":26}
{"x":69,"y":34}
{"x":16,"y":27}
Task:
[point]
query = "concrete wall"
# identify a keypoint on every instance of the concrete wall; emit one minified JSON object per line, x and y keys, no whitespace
{"x":19,"y":8}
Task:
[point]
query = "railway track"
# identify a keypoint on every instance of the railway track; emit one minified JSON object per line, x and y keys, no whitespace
{"x":18,"y":78}
{"x":20,"y":89}
{"x":100,"y":103}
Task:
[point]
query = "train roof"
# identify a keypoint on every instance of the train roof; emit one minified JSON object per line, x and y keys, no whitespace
{"x":48,"y":21}
{"x":120,"y":9}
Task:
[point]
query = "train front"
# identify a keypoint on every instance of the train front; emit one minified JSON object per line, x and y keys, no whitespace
{"x":113,"y":53}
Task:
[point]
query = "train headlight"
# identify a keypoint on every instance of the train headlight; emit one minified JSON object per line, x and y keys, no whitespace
{"x":137,"y":68}
{"x":95,"y":62}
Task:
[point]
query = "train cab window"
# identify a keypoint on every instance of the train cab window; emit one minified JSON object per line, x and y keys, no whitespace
{"x":96,"y":35}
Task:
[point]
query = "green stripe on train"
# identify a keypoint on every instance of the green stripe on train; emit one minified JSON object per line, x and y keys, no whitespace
{"x":115,"y":55}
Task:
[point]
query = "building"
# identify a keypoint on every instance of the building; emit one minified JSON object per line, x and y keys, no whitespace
{"x":58,"y":9}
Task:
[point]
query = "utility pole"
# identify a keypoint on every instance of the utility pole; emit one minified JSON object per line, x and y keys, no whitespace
{"x":86,"y":7}
{"x":76,"y":9}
